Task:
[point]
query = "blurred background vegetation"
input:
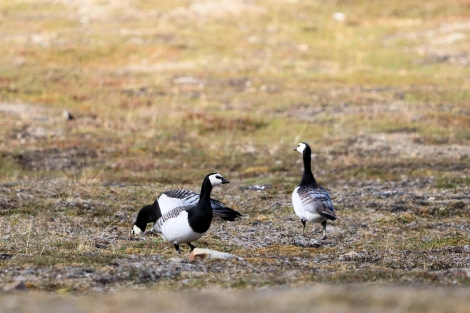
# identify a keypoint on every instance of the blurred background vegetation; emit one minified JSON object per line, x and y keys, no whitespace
{"x":162,"y":86}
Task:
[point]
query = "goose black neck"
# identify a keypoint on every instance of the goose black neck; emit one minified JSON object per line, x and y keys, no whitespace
{"x":200,"y":217}
{"x":206,"y":189}
{"x":307,"y":176}
{"x":149,"y":213}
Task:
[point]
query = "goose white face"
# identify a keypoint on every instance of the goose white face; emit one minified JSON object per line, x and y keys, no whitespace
{"x":300,"y":147}
{"x":217,"y":179}
{"x":136,"y":230}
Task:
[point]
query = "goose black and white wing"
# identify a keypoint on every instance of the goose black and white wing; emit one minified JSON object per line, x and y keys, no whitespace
{"x":315,"y":200}
{"x":168,"y":200}
{"x":175,"y":227}
{"x":180,"y":197}
{"x":172,"y":214}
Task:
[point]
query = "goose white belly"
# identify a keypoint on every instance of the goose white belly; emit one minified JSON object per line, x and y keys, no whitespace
{"x":177,"y":230}
{"x":314,"y":217}
{"x":297,"y":203}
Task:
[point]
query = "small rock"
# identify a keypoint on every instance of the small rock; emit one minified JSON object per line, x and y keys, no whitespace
{"x":186,"y":80}
{"x":16,"y":285}
{"x":339,"y":16}
{"x":175,"y":260}
{"x":5,"y":256}
{"x":352,"y":255}
{"x":257,"y":187}
{"x":201,"y":254}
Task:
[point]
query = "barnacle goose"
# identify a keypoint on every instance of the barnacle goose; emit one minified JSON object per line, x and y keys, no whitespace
{"x":171,"y":199}
{"x":311,"y":202}
{"x":188,"y":223}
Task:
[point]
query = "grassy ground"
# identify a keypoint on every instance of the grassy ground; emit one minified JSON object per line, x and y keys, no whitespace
{"x":164,"y":92}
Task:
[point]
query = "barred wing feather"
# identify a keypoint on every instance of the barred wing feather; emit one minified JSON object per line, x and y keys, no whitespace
{"x":181,"y":197}
{"x":317,"y":199}
{"x":169,"y":215}
{"x":171,"y":199}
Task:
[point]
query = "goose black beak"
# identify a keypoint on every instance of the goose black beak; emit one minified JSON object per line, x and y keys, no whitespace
{"x":224,"y":181}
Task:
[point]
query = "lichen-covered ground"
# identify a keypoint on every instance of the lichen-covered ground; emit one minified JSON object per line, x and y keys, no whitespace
{"x":163,"y":93}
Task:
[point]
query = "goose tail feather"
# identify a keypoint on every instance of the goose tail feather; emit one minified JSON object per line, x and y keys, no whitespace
{"x":225,"y":213}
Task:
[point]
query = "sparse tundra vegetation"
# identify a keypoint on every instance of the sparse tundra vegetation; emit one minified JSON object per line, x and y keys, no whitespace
{"x":105,"y":104}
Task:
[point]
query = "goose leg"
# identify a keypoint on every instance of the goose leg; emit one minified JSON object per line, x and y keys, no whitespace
{"x":324,"y":229}
{"x":303,"y":223}
{"x":191,"y":246}
{"x":177,"y":247}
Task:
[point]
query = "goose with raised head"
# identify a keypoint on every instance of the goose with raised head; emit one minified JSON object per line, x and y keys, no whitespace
{"x":188,"y":223}
{"x":311,"y":202}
